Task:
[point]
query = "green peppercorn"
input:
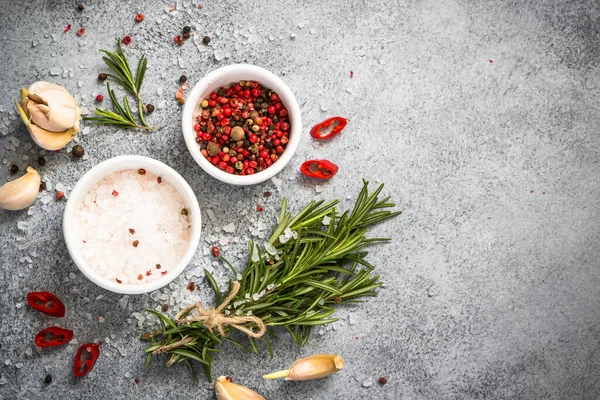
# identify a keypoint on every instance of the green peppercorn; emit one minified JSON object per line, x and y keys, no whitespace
{"x":78,"y":151}
{"x":181,"y":101}
{"x":184,"y":211}
{"x":102,"y":76}
{"x":182,"y":79}
{"x":186,"y":29}
{"x":206,"y":39}
{"x":225,"y":150}
{"x":204,"y":103}
{"x":14,"y":169}
{"x":239,"y":165}
{"x":149,"y":108}
{"x":255,"y":128}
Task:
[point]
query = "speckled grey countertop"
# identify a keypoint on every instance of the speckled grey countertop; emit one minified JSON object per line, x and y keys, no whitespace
{"x":482,"y":118}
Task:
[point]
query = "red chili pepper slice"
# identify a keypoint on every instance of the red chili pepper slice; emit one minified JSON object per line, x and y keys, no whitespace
{"x":328,"y":128}
{"x":47,"y":303}
{"x":322,"y":169}
{"x":86,"y":357}
{"x":53,"y":336}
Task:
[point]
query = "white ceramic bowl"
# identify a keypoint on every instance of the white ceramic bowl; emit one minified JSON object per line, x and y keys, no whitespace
{"x":121,"y":163}
{"x":224,"y":76}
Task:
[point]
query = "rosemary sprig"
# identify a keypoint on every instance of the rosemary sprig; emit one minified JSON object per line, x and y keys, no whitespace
{"x":311,"y":262}
{"x":122,"y":74}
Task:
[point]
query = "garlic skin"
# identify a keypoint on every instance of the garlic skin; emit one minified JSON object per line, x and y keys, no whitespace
{"x":313,"y":367}
{"x":50,"y":114}
{"x":21,"y":192}
{"x":226,"y":390}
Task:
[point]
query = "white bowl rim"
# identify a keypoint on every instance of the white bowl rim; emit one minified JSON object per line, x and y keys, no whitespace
{"x":98,"y":172}
{"x":254,"y":73}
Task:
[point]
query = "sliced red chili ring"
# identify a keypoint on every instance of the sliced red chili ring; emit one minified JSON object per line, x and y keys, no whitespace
{"x":86,"y":357}
{"x":321,"y":169}
{"x":328,"y":128}
{"x":47,"y":303}
{"x":53,"y":336}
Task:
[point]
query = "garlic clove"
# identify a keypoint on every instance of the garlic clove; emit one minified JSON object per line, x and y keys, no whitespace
{"x":313,"y":367}
{"x":50,"y":106}
{"x":46,"y":139}
{"x":21,"y":192}
{"x":226,"y":390}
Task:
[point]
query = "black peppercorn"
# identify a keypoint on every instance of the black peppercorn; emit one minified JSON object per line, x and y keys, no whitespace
{"x":48,"y":379}
{"x":186,"y":35}
{"x":41,"y":161}
{"x":182,"y":79}
{"x":206,"y":39}
{"x":165,"y":308}
{"x":80,"y":7}
{"x":102,"y":76}
{"x":42,"y":186}
{"x":149,"y":108}
{"x":382,"y":380}
{"x":14,"y":169}
{"x":78,"y":151}
{"x":186,"y":29}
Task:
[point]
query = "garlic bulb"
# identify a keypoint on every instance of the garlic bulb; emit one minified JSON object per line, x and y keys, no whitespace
{"x":313,"y":367}
{"x":50,"y":114}
{"x":226,"y":390}
{"x":20,"y":193}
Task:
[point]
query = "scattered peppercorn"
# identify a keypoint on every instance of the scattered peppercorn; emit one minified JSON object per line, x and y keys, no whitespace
{"x":259,"y":208}
{"x":382,"y":380}
{"x":118,"y":280}
{"x":181,"y":101}
{"x":165,"y":308}
{"x":184,"y":211}
{"x":186,"y":35}
{"x":139,"y":17}
{"x":132,"y":231}
{"x":14,"y":169}
{"x":135,"y":243}
{"x":126,"y":40}
{"x":142,"y":171}
{"x":102,"y":76}
{"x":115,"y":193}
{"x":267,"y":194}
{"x":159,"y":179}
{"x":41,"y":161}
{"x":60,"y":195}
{"x":99,"y":98}
{"x":186,"y":29}
{"x":191,"y":286}
{"x":229,"y":379}
{"x":137,"y":381}
{"x":81,"y":7}
{"x":48,"y":378}
{"x":149,"y":108}
{"x":140,"y":277}
{"x":78,"y":151}
{"x":42,"y":186}
{"x":206,"y":39}
{"x":81,"y":31}
{"x":180,"y":42}
{"x":182,"y":79}
{"x":157,"y":266}
{"x":215,"y":251}
{"x":337,"y":299}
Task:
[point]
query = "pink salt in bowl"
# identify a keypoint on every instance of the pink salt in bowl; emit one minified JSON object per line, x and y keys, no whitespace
{"x":148,"y":194}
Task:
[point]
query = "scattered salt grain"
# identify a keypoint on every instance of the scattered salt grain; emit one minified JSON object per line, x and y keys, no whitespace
{"x":22,"y":225}
{"x":269,"y":248}
{"x":46,"y":199}
{"x":367,"y":384}
{"x":101,"y":319}
{"x":229,"y":228}
{"x":29,"y":352}
{"x":14,"y":141}
{"x":19,"y":365}
{"x":319,"y":188}
{"x":211,"y":214}
{"x":219,"y":55}
{"x":326,"y":220}
{"x":123,"y":302}
{"x":55,"y":71}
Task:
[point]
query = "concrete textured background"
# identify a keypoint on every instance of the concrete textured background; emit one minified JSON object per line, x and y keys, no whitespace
{"x":492,"y":280}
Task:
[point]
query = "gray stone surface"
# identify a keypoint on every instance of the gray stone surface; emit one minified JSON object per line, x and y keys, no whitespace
{"x":492,"y":278}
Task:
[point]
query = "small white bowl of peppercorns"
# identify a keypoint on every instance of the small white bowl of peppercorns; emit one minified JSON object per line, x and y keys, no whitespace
{"x":242,"y":124}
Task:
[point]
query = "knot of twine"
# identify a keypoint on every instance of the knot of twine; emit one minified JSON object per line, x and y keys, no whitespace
{"x":215,"y":318}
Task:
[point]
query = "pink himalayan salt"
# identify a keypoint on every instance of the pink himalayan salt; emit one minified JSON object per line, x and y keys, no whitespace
{"x":143,"y":211}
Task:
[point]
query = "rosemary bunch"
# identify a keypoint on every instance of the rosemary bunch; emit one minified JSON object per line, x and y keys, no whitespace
{"x":311,"y":262}
{"x":122,"y":74}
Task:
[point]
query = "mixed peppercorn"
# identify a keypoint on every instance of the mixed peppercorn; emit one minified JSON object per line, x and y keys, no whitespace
{"x":243,"y":128}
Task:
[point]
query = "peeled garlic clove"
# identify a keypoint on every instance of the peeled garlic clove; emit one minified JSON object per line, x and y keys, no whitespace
{"x":313,"y":367}
{"x":43,"y":138}
{"x":20,"y":193}
{"x":226,"y":390}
